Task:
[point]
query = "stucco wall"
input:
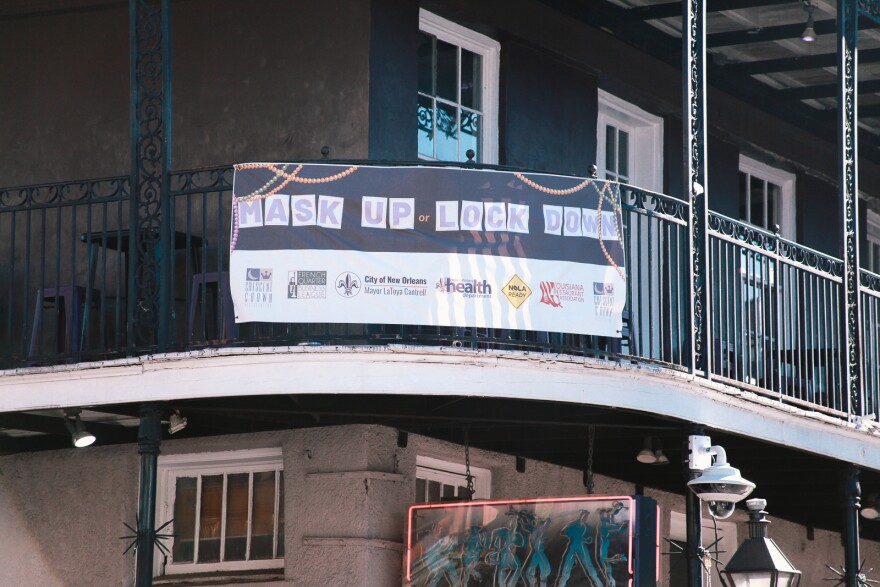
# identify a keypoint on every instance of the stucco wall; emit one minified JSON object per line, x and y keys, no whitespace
{"x":268,"y":80}
{"x":347,"y":490}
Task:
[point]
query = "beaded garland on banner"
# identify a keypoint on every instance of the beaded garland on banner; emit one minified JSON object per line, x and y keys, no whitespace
{"x":280,"y":172}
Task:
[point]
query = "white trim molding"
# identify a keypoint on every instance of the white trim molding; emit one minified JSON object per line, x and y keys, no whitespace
{"x":646,"y":140}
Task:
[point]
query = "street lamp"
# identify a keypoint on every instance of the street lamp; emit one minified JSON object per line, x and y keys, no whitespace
{"x":758,"y":562}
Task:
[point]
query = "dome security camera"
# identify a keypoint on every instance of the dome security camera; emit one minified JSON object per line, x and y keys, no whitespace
{"x":721,"y":486}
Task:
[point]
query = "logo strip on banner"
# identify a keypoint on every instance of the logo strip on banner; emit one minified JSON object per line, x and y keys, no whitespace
{"x":434,"y":246}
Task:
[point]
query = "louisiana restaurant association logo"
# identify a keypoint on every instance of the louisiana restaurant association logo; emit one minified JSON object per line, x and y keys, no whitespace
{"x":348,"y":284}
{"x":603,"y":298}
{"x":258,"y":286}
{"x":554,"y":293}
{"x":306,"y":285}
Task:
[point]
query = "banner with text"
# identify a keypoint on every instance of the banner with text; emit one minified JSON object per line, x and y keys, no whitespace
{"x":434,"y":246}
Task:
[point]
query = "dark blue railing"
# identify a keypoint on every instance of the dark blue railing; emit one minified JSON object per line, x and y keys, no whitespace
{"x":775,"y":305}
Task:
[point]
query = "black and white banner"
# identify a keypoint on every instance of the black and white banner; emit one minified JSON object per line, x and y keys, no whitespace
{"x":435,"y":246}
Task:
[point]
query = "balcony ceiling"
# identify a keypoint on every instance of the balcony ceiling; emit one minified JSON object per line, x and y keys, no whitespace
{"x":755,"y":52}
{"x":800,"y":487}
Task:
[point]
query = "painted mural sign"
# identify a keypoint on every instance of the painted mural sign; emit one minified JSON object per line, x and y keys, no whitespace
{"x":434,"y":246}
{"x":564,"y":542}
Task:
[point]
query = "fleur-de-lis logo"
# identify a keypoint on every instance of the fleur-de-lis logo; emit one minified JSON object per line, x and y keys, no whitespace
{"x":348,"y":284}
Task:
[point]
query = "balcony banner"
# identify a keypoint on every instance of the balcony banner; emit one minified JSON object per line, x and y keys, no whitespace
{"x":432,"y":246}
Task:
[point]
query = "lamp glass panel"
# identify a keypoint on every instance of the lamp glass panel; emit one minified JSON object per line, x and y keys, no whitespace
{"x":752,"y":579}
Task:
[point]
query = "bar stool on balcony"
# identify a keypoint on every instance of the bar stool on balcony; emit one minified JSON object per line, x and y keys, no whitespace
{"x":218,"y":282}
{"x":69,"y":300}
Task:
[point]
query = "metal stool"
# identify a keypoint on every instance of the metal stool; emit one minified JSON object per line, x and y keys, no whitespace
{"x":216,"y":281}
{"x":69,"y":300}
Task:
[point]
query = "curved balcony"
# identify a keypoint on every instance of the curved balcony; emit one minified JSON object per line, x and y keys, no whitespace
{"x":69,"y":296}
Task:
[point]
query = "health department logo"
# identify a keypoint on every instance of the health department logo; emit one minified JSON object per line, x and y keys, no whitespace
{"x":348,"y":284}
{"x":516,"y":291}
{"x":306,"y":285}
{"x":554,"y":293}
{"x":603,"y":298}
{"x":258,"y":286}
{"x":466,"y":288}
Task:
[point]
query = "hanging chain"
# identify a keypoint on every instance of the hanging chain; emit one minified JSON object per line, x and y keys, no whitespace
{"x":588,"y":478}
{"x":467,"y":467}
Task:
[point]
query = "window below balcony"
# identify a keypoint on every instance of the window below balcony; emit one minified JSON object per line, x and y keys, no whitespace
{"x":766,"y":196}
{"x":438,"y":481}
{"x":227,"y":510}
{"x":458,"y":92}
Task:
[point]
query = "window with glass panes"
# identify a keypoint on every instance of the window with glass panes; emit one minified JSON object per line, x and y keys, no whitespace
{"x":227,"y":511}
{"x":454,"y":111}
{"x":766,"y":196}
{"x":438,"y":481}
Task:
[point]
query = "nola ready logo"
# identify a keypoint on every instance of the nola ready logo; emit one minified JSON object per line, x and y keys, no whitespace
{"x":348,"y":284}
{"x":516,"y":291}
{"x":553,"y":293}
{"x":603,"y":298}
{"x":466,"y":288}
{"x":258,"y":286}
{"x":306,"y":285}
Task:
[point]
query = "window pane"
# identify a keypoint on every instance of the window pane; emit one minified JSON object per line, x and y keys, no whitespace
{"x":448,"y":491}
{"x":610,"y":150}
{"x":426,"y":64}
{"x":236,"y":517}
{"x":184,"y":519}
{"x":622,"y":155}
{"x":774,"y":195}
{"x":470,"y":134}
{"x":743,"y":196}
{"x":756,"y":201}
{"x":426,"y":126}
{"x":263,"y":525}
{"x":447,"y":132}
{"x":447,"y":71}
{"x":471,"y":80}
{"x":420,"y":490}
{"x":209,"y":518}
{"x":433,"y":491}
{"x":280,"y":553}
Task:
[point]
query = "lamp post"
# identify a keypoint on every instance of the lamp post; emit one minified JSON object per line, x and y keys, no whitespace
{"x":758,"y":562}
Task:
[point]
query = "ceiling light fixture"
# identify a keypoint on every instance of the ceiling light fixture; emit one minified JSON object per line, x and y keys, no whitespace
{"x":176,"y":422}
{"x":646,"y":455}
{"x":869,"y":510}
{"x":809,"y":34}
{"x":78,"y":433}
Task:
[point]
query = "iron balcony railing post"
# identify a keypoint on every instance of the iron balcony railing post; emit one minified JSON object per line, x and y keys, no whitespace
{"x":847,"y":144}
{"x":149,"y":253}
{"x":695,"y":179}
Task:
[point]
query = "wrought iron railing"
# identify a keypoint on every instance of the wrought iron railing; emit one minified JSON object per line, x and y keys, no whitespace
{"x":775,"y":306}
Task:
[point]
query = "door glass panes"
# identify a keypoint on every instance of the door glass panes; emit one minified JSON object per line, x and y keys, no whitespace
{"x":450,"y":100}
{"x":616,"y":154}
{"x":759,"y":201}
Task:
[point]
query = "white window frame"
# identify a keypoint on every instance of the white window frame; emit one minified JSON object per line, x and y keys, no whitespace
{"x":872,"y":235}
{"x":450,"y":473}
{"x":784,"y":180}
{"x":645,"y":140}
{"x":490,"y":51}
{"x":214,"y":463}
